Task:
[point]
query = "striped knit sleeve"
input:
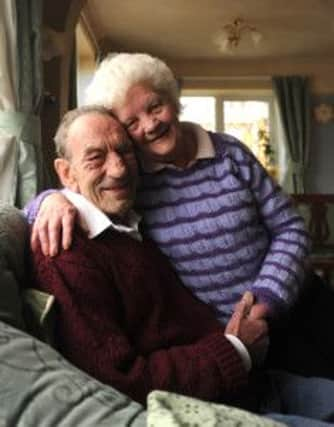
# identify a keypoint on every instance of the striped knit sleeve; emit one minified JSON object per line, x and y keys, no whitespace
{"x":31,"y":209}
{"x":283,"y":269}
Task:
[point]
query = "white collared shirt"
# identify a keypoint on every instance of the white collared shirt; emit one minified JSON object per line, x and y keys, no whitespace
{"x":96,"y":221}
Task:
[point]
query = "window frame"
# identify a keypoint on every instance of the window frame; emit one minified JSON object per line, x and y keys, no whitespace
{"x":220,"y":95}
{"x":262,"y":95}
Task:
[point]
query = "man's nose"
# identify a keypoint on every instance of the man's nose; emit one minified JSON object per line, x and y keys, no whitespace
{"x":115,"y":165}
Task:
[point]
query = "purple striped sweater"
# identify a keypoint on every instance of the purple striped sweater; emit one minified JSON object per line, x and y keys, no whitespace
{"x":227,"y":228}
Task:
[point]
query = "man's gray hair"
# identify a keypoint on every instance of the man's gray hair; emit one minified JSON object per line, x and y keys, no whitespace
{"x":61,"y":136}
{"x":117,"y":73}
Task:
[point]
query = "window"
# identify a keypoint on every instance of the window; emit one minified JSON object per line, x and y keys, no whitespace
{"x":247,"y":117}
{"x":199,"y":109}
{"x":86,"y":64}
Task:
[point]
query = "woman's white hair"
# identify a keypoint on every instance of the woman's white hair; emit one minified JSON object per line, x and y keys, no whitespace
{"x":117,"y":73}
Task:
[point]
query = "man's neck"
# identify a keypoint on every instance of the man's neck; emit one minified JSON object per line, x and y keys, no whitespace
{"x":119,"y":220}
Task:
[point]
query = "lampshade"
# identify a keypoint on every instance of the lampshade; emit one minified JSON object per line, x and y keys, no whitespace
{"x":231,"y":35}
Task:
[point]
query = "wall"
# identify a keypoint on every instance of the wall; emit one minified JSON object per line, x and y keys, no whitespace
{"x":320,"y":178}
{"x":320,"y":70}
{"x":256,"y":74}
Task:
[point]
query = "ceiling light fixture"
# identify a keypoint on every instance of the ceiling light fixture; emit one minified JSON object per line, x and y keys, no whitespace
{"x":228,"y":39}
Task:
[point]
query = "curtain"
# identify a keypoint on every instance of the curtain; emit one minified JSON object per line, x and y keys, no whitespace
{"x":73,"y":92}
{"x":20,"y":98}
{"x":293,"y":99}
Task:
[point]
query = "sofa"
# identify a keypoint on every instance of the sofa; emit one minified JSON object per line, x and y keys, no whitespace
{"x":318,"y":212}
{"x":39,"y":387}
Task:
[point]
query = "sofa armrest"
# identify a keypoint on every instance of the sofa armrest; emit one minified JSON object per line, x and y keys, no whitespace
{"x":13,"y":238}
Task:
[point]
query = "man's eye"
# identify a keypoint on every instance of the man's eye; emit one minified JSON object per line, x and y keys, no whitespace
{"x":95,"y":159}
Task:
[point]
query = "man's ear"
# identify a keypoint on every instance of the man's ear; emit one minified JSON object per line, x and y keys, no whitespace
{"x":65,"y":173}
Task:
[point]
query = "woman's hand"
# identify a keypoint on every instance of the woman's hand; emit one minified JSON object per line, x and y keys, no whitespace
{"x":54,"y":224}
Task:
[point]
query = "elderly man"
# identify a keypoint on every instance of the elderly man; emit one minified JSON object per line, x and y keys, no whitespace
{"x":125,"y":318}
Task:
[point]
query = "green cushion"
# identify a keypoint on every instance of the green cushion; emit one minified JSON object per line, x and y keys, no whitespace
{"x":40,"y":388}
{"x":13,"y":238}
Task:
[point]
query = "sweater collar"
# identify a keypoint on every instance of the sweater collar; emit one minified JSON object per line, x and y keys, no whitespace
{"x":205,"y":149}
{"x":95,"y":221}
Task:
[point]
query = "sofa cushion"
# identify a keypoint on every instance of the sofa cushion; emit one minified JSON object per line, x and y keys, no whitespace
{"x":40,"y":314}
{"x":40,"y":388}
{"x":13,"y":238}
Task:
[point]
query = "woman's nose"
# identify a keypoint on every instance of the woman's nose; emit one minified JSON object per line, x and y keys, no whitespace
{"x":150,"y":123}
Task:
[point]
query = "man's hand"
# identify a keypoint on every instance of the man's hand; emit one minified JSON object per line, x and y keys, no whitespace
{"x":259,"y":311}
{"x":253,"y":332}
{"x":54,"y":224}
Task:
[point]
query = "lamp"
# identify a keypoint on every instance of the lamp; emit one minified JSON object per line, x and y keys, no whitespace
{"x":228,"y":39}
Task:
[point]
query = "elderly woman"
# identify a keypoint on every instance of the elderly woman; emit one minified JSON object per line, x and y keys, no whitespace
{"x":206,"y":201}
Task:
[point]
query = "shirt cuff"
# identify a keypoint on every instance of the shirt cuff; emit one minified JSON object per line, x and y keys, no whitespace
{"x":242,"y":350}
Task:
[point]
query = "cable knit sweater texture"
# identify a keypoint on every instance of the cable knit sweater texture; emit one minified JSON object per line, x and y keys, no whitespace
{"x":227,"y":227}
{"x":125,"y":318}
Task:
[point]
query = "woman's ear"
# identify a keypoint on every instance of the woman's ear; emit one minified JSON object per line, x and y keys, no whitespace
{"x":65,"y":173}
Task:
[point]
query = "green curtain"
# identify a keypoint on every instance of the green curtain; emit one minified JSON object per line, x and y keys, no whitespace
{"x":293,"y":98}
{"x":30,"y":89}
{"x":22,"y":178}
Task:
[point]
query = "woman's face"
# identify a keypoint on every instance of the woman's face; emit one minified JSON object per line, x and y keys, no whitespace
{"x":151,"y":120}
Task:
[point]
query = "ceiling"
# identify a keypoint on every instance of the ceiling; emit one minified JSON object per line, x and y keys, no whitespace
{"x":186,"y":29}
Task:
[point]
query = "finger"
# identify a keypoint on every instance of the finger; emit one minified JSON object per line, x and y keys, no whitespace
{"x":259,"y":311}
{"x":262,"y":327}
{"x":54,"y":232}
{"x":84,"y":225}
{"x":68,"y":226}
{"x":248,"y":299}
{"x":34,"y":240}
{"x":43,"y":236}
{"x":233,"y":325}
{"x":244,"y":306}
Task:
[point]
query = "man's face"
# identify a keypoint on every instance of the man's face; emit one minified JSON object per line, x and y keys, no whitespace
{"x":101,"y":164}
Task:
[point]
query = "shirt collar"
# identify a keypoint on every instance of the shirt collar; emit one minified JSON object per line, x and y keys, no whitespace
{"x":205,"y":149}
{"x":96,"y":221}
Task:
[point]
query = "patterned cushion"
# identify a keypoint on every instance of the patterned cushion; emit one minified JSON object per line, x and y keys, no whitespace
{"x":40,"y":388}
{"x":172,"y":410}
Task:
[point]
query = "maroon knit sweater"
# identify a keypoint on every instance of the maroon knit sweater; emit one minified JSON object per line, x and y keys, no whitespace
{"x":125,"y":318}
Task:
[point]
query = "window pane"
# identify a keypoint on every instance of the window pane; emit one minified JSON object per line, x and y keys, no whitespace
{"x":199,"y":109}
{"x":86,"y":64}
{"x":249,"y":122}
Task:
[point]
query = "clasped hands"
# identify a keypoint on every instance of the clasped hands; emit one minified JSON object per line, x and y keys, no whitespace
{"x":248,"y":323}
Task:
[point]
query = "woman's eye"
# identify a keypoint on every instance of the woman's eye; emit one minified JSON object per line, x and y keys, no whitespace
{"x":131,"y":125}
{"x":155,"y":107}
